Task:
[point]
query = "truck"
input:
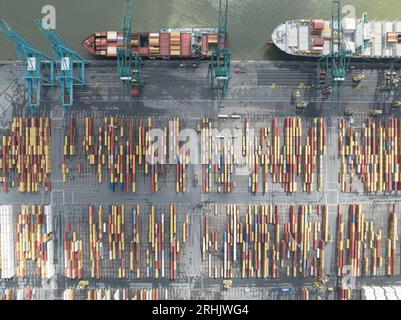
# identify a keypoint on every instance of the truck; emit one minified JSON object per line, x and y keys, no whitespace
{"x":302,"y":105}
{"x":296,"y":95}
{"x":396,"y":104}
{"x":358,"y":78}
{"x":375,"y":112}
{"x":227,"y":283}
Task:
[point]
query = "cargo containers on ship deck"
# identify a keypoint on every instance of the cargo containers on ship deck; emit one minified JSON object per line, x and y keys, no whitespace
{"x":190,"y":43}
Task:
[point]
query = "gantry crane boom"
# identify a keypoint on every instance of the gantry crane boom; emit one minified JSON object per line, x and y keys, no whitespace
{"x":70,"y":65}
{"x":124,"y":54}
{"x":335,"y":65}
{"x":129,"y":64}
{"x":39,"y":66}
{"x":220,"y":63}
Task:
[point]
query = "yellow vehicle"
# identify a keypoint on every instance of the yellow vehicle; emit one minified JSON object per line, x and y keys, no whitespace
{"x":296,"y":95}
{"x":317,"y":285}
{"x":396,"y":104}
{"x":82,"y":284}
{"x":227,"y":284}
{"x":302,"y":105}
{"x":375,"y":112}
{"x":323,"y":279}
{"x":358,"y":78}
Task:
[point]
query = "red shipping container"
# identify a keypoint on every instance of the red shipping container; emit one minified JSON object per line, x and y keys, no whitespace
{"x":165,"y":44}
{"x":186,"y":39}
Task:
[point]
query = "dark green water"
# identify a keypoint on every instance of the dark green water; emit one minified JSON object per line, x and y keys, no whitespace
{"x":251,"y":22}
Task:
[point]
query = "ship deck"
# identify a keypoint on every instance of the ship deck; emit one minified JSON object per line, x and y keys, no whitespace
{"x":295,"y":37}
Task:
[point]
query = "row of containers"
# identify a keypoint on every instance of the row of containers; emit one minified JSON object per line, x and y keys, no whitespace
{"x":25,"y":155}
{"x":272,"y":241}
{"x":81,"y":293}
{"x":126,"y":294}
{"x":120,"y":150}
{"x":370,"y":155}
{"x":125,"y":242}
{"x":367,"y":249}
{"x":26,"y":242}
{"x":259,"y":241}
{"x":27,"y":293}
{"x":162,"y":293}
{"x":236,"y":241}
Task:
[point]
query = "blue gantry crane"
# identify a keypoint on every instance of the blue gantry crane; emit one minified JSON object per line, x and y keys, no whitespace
{"x":39,"y":66}
{"x":129,"y":64}
{"x":70,"y":66}
{"x":334,"y":67}
{"x":220,"y":63}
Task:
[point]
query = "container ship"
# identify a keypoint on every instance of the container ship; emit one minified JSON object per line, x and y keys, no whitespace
{"x":364,"y":38}
{"x":187,"y":43}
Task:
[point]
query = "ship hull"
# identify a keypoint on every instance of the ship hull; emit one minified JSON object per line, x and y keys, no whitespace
{"x":192,"y":43}
{"x":364,"y":39}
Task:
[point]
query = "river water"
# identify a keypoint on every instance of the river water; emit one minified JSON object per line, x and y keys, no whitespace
{"x":251,"y":22}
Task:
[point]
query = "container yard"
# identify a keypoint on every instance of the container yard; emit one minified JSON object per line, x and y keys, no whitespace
{"x":25,"y":161}
{"x":266,"y":241}
{"x":369,"y":155}
{"x":124,"y":242}
{"x":286,"y":154}
{"x":170,"y":169}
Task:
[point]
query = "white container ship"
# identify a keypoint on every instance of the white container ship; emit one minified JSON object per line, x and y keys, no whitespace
{"x":364,"y":38}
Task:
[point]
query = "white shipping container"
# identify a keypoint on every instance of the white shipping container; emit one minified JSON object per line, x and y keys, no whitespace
{"x":111,"y":51}
{"x":379,"y":293}
{"x":112,"y":36}
{"x":49,"y":219}
{"x":20,"y":294}
{"x":76,"y":246}
{"x":397,"y":290}
{"x":7,"y":258}
{"x":387,"y":27}
{"x":390,"y":293}
{"x":51,"y":270}
{"x":349,"y":24}
{"x":398,"y":50}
